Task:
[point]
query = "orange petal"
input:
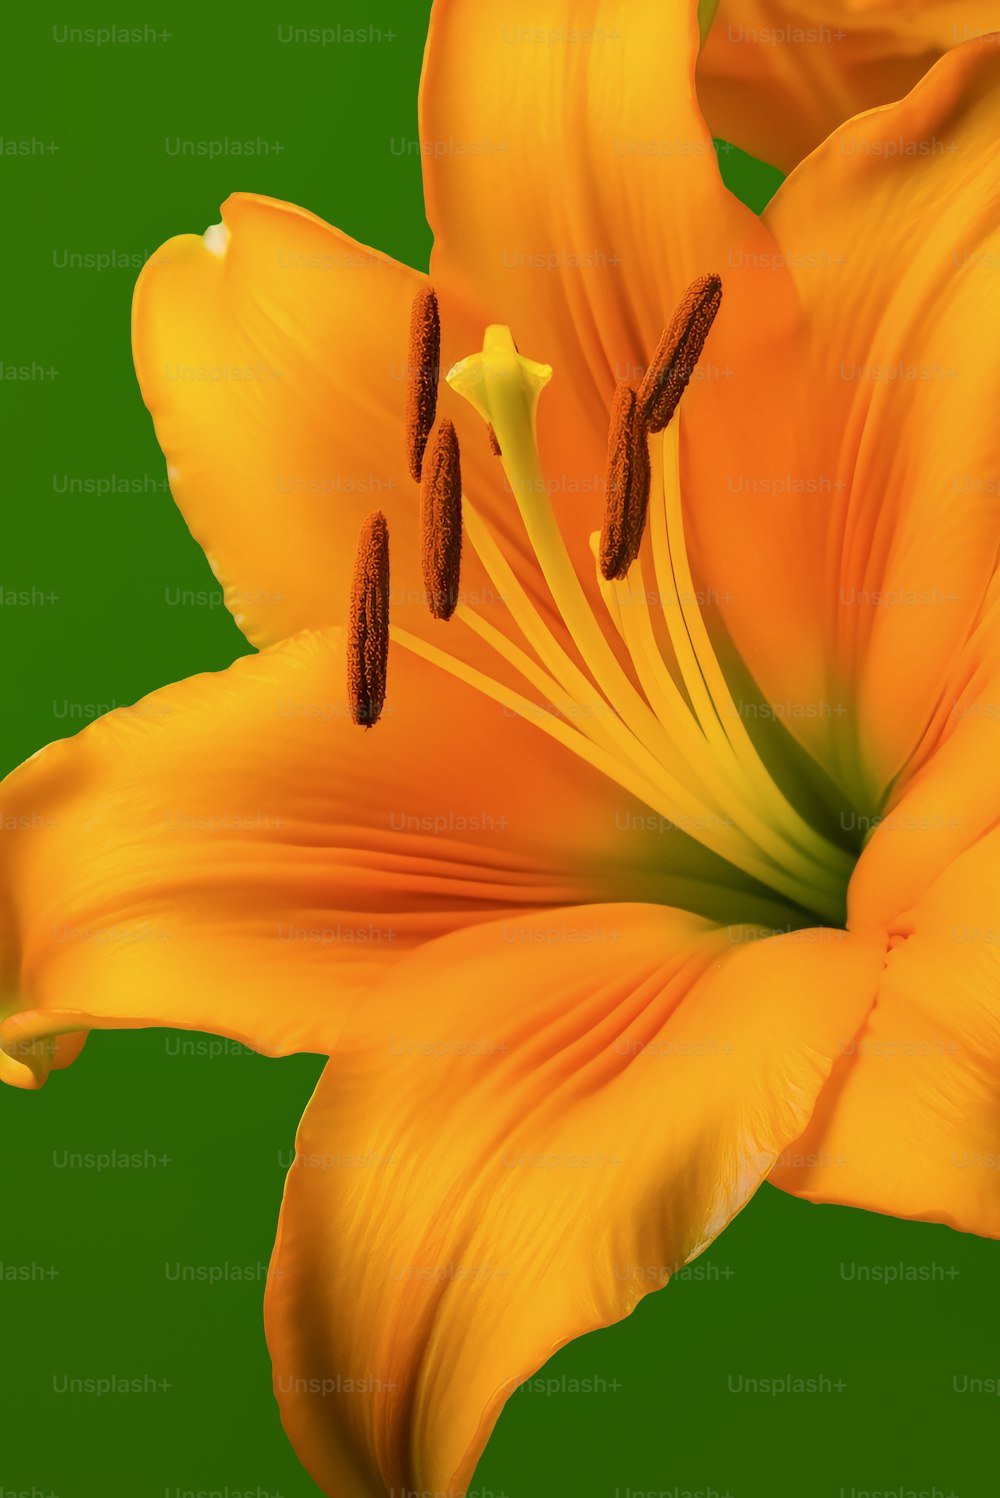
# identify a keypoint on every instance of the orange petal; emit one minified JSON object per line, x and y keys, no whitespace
{"x":574,"y":194}
{"x":233,"y":854}
{"x":530,"y":1126}
{"x":272,"y":354}
{"x":951,"y":795}
{"x":776,"y":77}
{"x":910,"y":1122}
{"x":870,"y":540}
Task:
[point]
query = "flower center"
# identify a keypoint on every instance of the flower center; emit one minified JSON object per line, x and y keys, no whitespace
{"x":672,"y":738}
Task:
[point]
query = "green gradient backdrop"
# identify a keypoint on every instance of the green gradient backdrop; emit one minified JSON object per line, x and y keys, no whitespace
{"x":779,"y":1293}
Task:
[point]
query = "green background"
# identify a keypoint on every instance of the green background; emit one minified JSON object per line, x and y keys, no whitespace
{"x":772,"y":1297}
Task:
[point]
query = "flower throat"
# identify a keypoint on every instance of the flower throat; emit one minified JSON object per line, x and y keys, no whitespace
{"x":673,"y":738}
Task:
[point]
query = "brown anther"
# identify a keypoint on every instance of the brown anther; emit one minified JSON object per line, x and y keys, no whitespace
{"x":441,"y":522}
{"x":494,"y":443}
{"x":678,"y":351}
{"x":368,"y":624}
{"x":423,"y":371}
{"x":628,"y":485}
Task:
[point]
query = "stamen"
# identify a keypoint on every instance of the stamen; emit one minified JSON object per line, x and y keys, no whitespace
{"x":494,"y":444}
{"x":668,"y":742}
{"x":441,"y":522}
{"x":423,"y":371}
{"x":678,"y":351}
{"x":628,"y":486}
{"x":720,"y":717}
{"x":368,"y":624}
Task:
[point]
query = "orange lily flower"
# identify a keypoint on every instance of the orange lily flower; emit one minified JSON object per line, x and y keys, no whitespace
{"x":644,"y":887}
{"x":777,"y":76}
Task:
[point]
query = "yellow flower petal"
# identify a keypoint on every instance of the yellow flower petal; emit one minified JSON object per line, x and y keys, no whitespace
{"x":571,"y":183}
{"x":865,"y":531}
{"x":527,"y":1130}
{"x":910,"y":1121}
{"x":950,"y":798}
{"x":233,"y":854}
{"x":574,"y":194}
{"x":776,"y":77}
{"x":272,"y":354}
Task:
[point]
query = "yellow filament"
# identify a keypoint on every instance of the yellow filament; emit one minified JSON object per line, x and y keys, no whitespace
{"x":594,"y":716}
{"x":627,"y":602}
{"x":682,"y":756}
{"x":723,"y":708}
{"x":704,"y":827}
{"x":572,"y":709}
{"x":565,"y":671}
{"x":661,"y":690}
{"x":504,"y":386}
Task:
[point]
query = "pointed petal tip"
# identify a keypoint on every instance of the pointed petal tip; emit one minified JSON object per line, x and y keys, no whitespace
{"x":216,"y":238}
